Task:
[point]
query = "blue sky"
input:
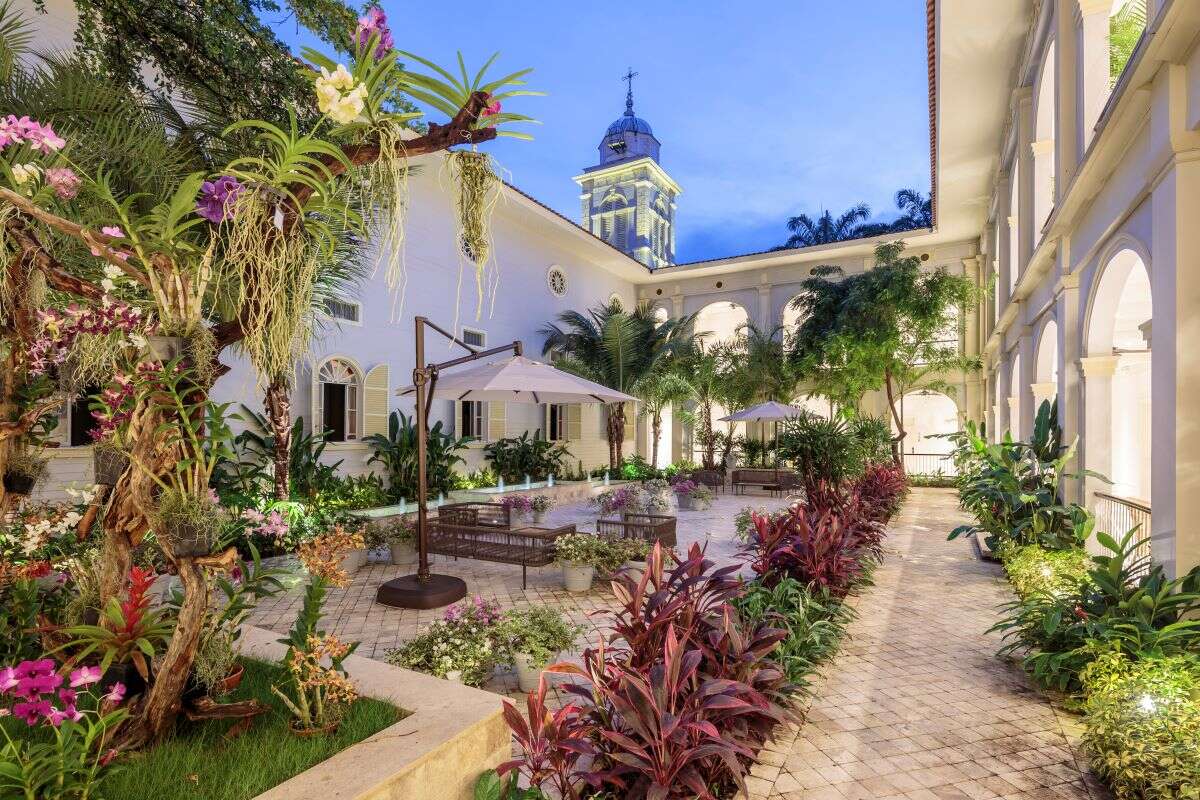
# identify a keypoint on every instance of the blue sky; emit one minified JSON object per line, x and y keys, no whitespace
{"x":764,"y":109}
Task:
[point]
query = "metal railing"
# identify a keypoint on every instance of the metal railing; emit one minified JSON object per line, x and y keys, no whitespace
{"x":931,"y":464}
{"x":1118,"y":515}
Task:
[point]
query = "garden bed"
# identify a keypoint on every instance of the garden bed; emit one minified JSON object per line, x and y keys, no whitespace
{"x":202,"y":762}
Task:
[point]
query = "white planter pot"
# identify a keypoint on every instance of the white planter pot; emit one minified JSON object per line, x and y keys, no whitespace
{"x":520,"y":518}
{"x":539,"y":517}
{"x":578,"y":577}
{"x":353,"y":561}
{"x":635,"y":569}
{"x":686,"y":502}
{"x":528,"y":671}
{"x":454,"y":676}
{"x":403,"y":552}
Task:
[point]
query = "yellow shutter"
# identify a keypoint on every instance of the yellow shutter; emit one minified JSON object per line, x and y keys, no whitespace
{"x":375,"y":402}
{"x":495,"y":421}
{"x":574,"y":422}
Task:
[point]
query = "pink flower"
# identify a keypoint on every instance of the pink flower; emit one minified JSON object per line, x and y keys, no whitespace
{"x":116,"y":693}
{"x":64,"y":181}
{"x":67,"y":697}
{"x":253,"y":516}
{"x":84,"y":676}
{"x":43,"y":138}
{"x":8,"y":679}
{"x":12,"y":130}
{"x":32,"y":669}
{"x":213,"y":497}
{"x":115,"y":232}
{"x":33,"y":711}
{"x":374,"y":22}
{"x":492,"y":109}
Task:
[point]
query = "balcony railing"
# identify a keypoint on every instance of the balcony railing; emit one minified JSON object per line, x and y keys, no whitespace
{"x":931,"y":464}
{"x":1118,"y":515}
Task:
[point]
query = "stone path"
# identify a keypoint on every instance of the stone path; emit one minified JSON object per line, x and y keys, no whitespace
{"x":917,"y":705}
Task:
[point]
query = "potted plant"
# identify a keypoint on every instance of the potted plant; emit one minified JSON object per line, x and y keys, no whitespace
{"x":461,"y":646}
{"x":653,"y":497}
{"x":580,"y":554}
{"x":532,"y":637}
{"x":401,"y":538}
{"x":520,"y":507}
{"x":692,"y":496}
{"x":540,"y":505}
{"x":109,"y":461}
{"x":635,"y":552}
{"x":22,"y":472}
{"x":110,"y":452}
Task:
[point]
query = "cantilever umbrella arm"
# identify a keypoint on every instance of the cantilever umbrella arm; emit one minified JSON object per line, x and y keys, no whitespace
{"x":424,"y":590}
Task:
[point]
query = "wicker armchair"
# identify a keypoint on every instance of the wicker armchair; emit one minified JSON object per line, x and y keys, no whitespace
{"x":651,"y":527}
{"x":487,"y":515}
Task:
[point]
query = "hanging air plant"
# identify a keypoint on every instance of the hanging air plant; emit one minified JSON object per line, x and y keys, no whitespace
{"x":275,"y":274}
{"x":478,"y":190}
{"x":383,"y":188}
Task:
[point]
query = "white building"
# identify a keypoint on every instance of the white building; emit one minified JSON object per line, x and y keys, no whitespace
{"x":1067,"y":189}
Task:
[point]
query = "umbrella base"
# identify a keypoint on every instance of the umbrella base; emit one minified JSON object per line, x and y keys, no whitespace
{"x":409,"y":591}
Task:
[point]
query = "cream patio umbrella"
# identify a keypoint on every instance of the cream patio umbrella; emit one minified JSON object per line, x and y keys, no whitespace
{"x":770,"y":411}
{"x":514,"y":380}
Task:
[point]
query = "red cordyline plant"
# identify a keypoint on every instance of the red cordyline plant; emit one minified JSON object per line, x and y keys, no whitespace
{"x":818,"y":549}
{"x":676,"y":707}
{"x":882,"y":488}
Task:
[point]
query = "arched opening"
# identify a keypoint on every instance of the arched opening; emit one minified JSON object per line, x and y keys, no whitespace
{"x":1045,"y":370}
{"x":1117,"y":378}
{"x":719,"y":323}
{"x":661,"y":315}
{"x":337,"y":407}
{"x":927,"y":416}
{"x":1043,"y":145}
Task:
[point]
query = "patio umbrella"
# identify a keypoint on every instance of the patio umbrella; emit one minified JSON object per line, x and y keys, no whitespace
{"x":770,"y":411}
{"x":519,"y":380}
{"x":514,"y":380}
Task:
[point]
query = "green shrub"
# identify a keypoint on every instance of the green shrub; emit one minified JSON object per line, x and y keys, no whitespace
{"x":815,"y":622}
{"x":822,"y":449}
{"x":1142,"y":725}
{"x":1035,"y":570}
{"x":516,"y":457}
{"x":397,"y":453}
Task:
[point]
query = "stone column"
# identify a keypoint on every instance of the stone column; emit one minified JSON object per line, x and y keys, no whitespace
{"x":1097,"y":447}
{"x":765,"y":323}
{"x":1066,"y":83}
{"x":1070,"y":380}
{"x":1091,"y":80}
{"x":1007,"y":219}
{"x":1028,"y":372}
{"x":1027,"y":235}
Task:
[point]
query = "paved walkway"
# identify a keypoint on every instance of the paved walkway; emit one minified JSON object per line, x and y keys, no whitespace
{"x":917,"y":705}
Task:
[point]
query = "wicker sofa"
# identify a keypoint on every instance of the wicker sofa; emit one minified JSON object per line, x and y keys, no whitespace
{"x":487,"y":515}
{"x":529,"y":547}
{"x":651,"y":527}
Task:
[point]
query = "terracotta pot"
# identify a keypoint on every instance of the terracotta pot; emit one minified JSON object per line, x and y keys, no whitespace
{"x":307,"y":733}
{"x":578,"y":577}
{"x":19,"y":484}
{"x":108,"y":465}
{"x":231,"y":681}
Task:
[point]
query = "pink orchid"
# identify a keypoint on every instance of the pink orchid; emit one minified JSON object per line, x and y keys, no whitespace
{"x":8,"y":679}
{"x":64,"y":181}
{"x":116,"y":693}
{"x":32,"y":712}
{"x":84,"y":676}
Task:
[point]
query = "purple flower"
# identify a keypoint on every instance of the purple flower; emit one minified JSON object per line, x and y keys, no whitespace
{"x":14,"y":130}
{"x":33,"y":669}
{"x":375,"y":22}
{"x":217,"y":198}
{"x":65,"y":182}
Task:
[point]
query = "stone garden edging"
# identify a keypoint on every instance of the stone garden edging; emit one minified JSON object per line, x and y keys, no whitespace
{"x":452,"y":734}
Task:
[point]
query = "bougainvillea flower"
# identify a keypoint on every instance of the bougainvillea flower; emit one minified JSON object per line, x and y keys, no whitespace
{"x":375,"y":22}
{"x":84,"y":676}
{"x":218,"y":197}
{"x":65,"y":182}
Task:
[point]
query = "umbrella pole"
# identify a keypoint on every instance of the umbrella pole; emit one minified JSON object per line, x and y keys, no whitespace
{"x":420,"y":377}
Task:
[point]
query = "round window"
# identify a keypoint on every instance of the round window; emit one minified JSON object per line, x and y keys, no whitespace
{"x":556,"y":281}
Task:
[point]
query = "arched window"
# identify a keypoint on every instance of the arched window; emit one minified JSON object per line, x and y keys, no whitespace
{"x":338,"y":405}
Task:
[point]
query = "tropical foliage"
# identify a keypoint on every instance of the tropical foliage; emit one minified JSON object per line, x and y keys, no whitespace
{"x":916,"y":211}
{"x":519,"y":457}
{"x":397,"y":454}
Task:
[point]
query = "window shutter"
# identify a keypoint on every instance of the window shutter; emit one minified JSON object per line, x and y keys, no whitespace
{"x":375,"y":401}
{"x":316,"y":409}
{"x":574,"y":422}
{"x":496,"y":418}
{"x":456,"y":423}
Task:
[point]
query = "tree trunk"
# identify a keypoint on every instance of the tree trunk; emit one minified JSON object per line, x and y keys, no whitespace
{"x":616,"y":434}
{"x":898,"y":439}
{"x":157,"y":712}
{"x":279,"y":415}
{"x":706,"y":436}
{"x":655,"y":433}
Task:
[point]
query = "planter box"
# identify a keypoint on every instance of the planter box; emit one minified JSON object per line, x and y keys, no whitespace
{"x":453,"y":734}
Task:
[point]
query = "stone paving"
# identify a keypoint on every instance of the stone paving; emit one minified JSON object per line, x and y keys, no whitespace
{"x":917,"y":705}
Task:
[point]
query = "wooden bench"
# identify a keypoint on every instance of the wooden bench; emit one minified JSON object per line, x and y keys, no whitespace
{"x":711,"y":478}
{"x":529,"y":547}
{"x":650,"y":527}
{"x":776,"y":481}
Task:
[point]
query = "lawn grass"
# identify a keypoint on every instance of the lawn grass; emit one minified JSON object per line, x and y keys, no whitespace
{"x":198,"y":763}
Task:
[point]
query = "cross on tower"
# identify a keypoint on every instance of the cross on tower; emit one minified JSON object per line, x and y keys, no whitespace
{"x":628,"y":78}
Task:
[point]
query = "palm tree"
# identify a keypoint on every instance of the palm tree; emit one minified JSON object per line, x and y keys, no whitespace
{"x":616,"y":348}
{"x":916,"y":211}
{"x":758,"y":359}
{"x":825,"y":229}
{"x":656,"y":391}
